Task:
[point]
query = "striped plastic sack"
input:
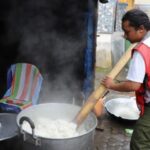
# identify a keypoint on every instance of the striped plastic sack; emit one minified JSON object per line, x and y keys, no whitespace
{"x":23,"y":87}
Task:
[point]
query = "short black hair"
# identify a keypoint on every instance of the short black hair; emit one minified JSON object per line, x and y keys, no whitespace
{"x":137,"y":17}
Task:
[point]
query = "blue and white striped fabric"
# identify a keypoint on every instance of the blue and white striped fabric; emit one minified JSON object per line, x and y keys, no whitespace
{"x":24,"y":84}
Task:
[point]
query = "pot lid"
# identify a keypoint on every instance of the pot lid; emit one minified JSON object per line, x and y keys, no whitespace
{"x":8,"y":126}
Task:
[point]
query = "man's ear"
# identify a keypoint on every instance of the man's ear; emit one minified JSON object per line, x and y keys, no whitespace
{"x":141,"y":28}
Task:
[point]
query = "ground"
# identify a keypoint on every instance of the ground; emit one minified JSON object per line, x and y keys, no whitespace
{"x":111,"y":134}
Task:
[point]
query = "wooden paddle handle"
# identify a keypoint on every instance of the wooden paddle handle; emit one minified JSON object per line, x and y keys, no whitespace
{"x":99,"y":92}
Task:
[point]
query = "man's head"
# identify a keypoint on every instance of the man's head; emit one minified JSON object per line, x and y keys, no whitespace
{"x":103,"y":1}
{"x":135,"y":24}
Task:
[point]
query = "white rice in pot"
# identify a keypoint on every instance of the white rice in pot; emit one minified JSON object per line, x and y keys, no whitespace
{"x":56,"y":129}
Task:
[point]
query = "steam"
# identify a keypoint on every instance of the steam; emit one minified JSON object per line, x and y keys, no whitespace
{"x":51,"y":34}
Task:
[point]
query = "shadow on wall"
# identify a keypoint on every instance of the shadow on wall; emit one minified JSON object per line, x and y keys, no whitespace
{"x":51,"y":34}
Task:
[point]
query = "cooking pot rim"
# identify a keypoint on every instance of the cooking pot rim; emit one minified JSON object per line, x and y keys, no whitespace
{"x":67,"y":138}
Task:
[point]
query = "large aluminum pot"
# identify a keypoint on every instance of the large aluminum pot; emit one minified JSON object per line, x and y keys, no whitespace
{"x":8,"y":126}
{"x":57,"y":111}
{"x":8,"y":132}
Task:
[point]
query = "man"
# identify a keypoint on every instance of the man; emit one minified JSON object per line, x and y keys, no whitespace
{"x":136,"y":26}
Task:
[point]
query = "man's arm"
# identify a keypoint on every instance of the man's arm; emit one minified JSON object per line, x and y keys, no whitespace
{"x":124,"y":86}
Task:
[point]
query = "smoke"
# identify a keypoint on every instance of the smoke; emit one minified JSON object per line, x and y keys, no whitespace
{"x":50,"y":34}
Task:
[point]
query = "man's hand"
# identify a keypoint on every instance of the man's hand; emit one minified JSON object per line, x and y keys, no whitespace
{"x":108,"y":82}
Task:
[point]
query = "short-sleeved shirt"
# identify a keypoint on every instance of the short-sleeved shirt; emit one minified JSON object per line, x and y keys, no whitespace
{"x":136,"y":70}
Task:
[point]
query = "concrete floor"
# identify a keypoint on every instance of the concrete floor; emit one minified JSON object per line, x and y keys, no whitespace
{"x":111,"y":135}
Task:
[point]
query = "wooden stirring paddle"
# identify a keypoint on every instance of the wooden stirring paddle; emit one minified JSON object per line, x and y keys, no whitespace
{"x":99,"y":92}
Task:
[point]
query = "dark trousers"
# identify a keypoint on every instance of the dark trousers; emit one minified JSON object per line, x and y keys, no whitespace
{"x":140,"y":139}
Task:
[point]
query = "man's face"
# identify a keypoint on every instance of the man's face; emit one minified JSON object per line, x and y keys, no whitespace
{"x":131,"y":33}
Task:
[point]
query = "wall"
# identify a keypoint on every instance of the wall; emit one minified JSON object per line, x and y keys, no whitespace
{"x":103,"y":51}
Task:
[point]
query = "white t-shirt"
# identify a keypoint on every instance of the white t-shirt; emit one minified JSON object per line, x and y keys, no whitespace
{"x":136,"y":72}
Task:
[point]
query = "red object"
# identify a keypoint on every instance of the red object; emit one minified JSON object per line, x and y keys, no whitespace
{"x":144,"y":50}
